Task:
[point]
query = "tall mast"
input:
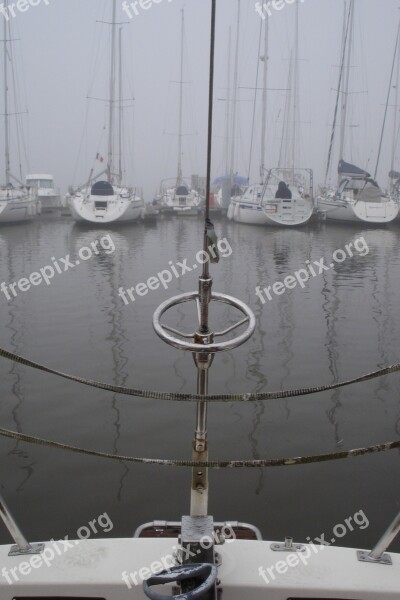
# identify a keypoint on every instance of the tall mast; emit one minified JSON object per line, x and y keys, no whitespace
{"x":295,"y":89}
{"x":228,"y":103}
{"x":112,"y":96}
{"x":264,"y":101}
{"x":235,"y":91}
{"x":285,"y":141}
{"x":6,"y":126}
{"x":347,"y":82}
{"x":120,"y":108}
{"x":387,"y":104}
{"x":179,"y":178}
{"x":396,"y":105}
{"x":346,"y":24}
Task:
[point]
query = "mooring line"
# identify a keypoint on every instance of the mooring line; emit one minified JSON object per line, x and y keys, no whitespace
{"x":179,"y":397}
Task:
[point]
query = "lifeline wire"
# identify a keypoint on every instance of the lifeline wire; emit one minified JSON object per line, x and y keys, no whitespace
{"x":216,"y":464}
{"x":179,"y":397}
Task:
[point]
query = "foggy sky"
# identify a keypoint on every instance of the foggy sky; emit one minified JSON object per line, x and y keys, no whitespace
{"x":62,"y":56}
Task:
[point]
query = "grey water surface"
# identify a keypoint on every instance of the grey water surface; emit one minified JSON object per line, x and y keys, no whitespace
{"x":343,"y":323}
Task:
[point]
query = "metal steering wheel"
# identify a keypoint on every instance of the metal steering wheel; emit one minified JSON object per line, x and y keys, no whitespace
{"x":178,"y":339}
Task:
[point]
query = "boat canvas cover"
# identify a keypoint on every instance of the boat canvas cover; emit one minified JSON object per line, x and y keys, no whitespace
{"x":102,"y":188}
{"x":237,"y":179}
{"x":182,"y":190}
{"x":371,"y":193}
{"x":349,"y":169}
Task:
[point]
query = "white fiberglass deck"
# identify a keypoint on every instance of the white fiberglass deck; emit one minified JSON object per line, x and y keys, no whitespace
{"x":114,"y":570}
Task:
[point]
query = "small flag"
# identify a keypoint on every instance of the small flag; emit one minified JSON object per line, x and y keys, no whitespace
{"x":99,"y":157}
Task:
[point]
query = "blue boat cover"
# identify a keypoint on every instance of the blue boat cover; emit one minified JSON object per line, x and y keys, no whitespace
{"x":349,"y":169}
{"x":182,"y":190}
{"x":237,"y":180}
{"x":102,"y":188}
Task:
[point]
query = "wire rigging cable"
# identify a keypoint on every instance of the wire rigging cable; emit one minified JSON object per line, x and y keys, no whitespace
{"x":215,"y":464}
{"x":179,"y":397}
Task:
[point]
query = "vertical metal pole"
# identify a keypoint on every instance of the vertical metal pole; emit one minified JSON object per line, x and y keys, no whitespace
{"x":396,"y":105}
{"x":295,"y":90}
{"x":112,"y":97}
{"x":228,"y":104}
{"x":390,"y":534}
{"x":12,"y":526}
{"x":396,"y":108}
{"x":120,"y":107}
{"x":387,"y":106}
{"x":235,"y":93}
{"x":346,"y":24}
{"x":6,"y":124}
{"x":180,"y":174}
{"x":264,"y":101}
{"x":22,"y":545}
{"x":199,"y":493}
{"x":347,"y":82}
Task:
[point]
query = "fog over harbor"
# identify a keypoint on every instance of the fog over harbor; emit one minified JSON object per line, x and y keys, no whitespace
{"x":62,"y":58}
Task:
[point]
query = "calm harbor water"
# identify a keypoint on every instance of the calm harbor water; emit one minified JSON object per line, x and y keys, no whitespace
{"x":345,"y":322}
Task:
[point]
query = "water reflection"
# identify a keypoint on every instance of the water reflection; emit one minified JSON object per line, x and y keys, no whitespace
{"x":16,"y":324}
{"x":344,"y":322}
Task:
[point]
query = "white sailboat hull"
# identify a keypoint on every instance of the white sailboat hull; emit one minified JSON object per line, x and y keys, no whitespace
{"x":97,"y":569}
{"x":16,"y":209}
{"x":260,"y":207}
{"x":347,"y":210}
{"x":182,"y":205}
{"x":187,"y":211}
{"x":119,"y":208}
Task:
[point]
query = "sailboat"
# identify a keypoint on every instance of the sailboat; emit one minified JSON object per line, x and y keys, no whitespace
{"x":181,"y":199}
{"x":107,"y":200}
{"x":270,"y":201}
{"x":357,"y":197}
{"x":17,"y":203}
